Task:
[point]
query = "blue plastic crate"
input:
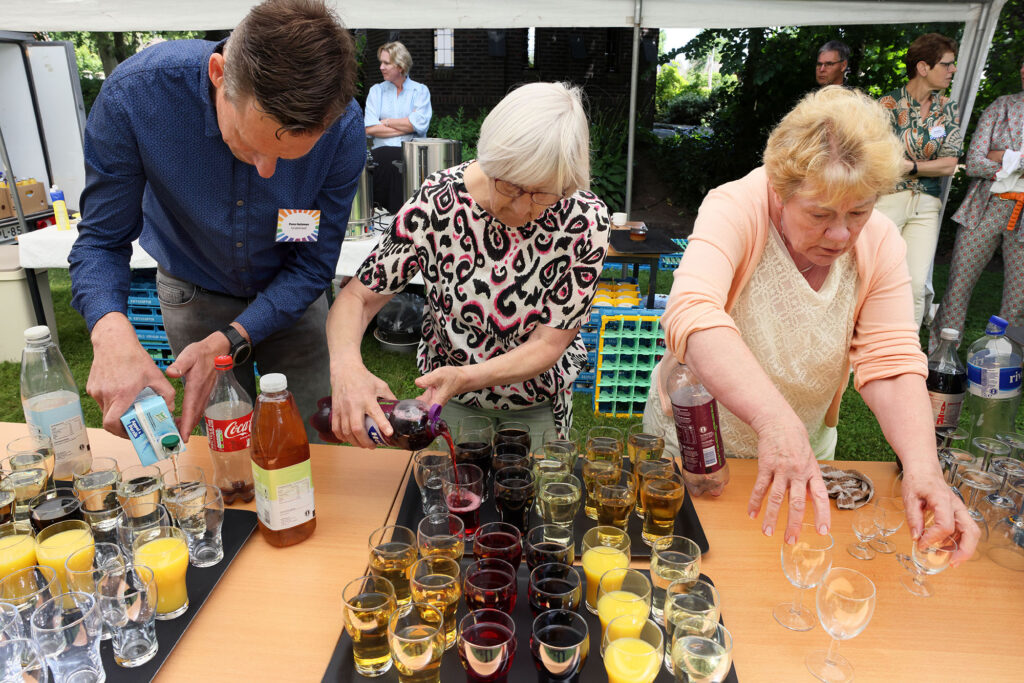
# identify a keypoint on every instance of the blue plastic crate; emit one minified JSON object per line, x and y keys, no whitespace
{"x":150,"y":332}
{"x":145,"y":314}
{"x":142,"y":299}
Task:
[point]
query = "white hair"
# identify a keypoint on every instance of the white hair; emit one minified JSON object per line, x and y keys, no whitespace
{"x":538,"y":137}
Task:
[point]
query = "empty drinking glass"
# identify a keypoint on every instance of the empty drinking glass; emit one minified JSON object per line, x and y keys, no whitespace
{"x":128,"y":604}
{"x":805,"y":564}
{"x":975,"y":482}
{"x":21,"y":660}
{"x":67,"y":628}
{"x":1006,"y":539}
{"x":846,"y":602}
{"x":987,"y":448}
{"x":428,"y":468}
{"x":86,"y":566}
{"x":487,"y":645}
{"x":1015,"y":442}
{"x":889,"y":515}
{"x":201,"y":518}
{"x":865,"y":530}
{"x":921,"y":563}
{"x":10,"y":623}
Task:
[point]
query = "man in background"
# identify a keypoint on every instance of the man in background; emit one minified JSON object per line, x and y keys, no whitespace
{"x":832,"y":64}
{"x":235,"y":165}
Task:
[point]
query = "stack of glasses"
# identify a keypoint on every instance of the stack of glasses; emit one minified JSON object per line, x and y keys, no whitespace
{"x":405,"y":613}
{"x":98,"y":557}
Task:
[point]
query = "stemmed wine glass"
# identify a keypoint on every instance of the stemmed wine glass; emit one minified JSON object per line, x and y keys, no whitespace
{"x":888,"y":519}
{"x":865,"y":530}
{"x":976,"y":482}
{"x":804,"y":563}
{"x":846,"y":602}
{"x":921,"y":563}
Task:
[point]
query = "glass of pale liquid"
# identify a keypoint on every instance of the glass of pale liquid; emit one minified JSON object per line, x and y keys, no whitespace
{"x":367,"y":605}
{"x":416,"y":639}
{"x":672,"y":558}
{"x":27,"y":451}
{"x":703,"y":658}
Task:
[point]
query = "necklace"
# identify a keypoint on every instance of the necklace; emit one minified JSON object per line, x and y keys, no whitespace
{"x":786,"y":242}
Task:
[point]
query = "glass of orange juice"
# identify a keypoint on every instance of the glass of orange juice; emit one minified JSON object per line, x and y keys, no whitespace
{"x":17,"y":548}
{"x":604,"y":548}
{"x":633,"y":648}
{"x":164,"y":550}
{"x":55,"y":543}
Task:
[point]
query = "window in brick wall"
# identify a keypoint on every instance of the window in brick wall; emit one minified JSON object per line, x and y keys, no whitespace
{"x":444,"y":48}
{"x":531,"y":47}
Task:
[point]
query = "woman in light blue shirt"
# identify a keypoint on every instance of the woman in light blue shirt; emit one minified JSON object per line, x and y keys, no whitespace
{"x":397,"y":109}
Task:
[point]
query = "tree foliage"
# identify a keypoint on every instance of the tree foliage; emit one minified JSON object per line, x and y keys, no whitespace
{"x":774,"y":67}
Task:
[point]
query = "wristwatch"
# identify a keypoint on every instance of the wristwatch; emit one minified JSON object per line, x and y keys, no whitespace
{"x":241,"y":349}
{"x":913,"y":171}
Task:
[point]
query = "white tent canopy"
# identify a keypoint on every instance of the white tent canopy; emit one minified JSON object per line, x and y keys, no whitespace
{"x":978,"y":16}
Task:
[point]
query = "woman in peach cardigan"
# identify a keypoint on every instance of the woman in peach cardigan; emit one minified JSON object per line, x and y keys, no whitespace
{"x":789,"y":281}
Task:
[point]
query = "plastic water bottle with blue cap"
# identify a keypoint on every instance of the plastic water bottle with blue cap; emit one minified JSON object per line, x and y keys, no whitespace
{"x":993,"y":381}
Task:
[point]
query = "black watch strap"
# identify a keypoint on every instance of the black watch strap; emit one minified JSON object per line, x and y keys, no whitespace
{"x":241,"y":349}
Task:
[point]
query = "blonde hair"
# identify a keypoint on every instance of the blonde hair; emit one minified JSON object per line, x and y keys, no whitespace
{"x":538,"y":136}
{"x":836,"y":143}
{"x":400,"y":56}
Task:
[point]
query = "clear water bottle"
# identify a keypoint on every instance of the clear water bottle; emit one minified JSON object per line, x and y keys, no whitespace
{"x":695,"y":412}
{"x":52,"y":404}
{"x":947,"y":380}
{"x":993,"y":381}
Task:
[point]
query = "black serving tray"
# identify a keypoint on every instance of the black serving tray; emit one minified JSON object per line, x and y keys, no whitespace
{"x":238,"y":526}
{"x":410,"y":512}
{"x":341,"y":668}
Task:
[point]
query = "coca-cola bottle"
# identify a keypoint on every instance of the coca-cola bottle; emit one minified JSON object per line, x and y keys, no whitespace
{"x":228,"y":420}
{"x":947,"y":380}
{"x":280,"y":465}
{"x":700,"y":439}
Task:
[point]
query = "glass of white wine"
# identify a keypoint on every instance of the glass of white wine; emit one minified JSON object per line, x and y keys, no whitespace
{"x":921,"y":563}
{"x":672,"y":558}
{"x":702,"y":658}
{"x":805,"y":564}
{"x":416,"y":639}
{"x":846,"y":602}
{"x":559,"y":499}
{"x":691,"y":608}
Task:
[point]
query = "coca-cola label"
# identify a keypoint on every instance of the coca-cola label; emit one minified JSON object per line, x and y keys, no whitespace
{"x":700,"y":440}
{"x":229,"y":435}
{"x":946,"y":407}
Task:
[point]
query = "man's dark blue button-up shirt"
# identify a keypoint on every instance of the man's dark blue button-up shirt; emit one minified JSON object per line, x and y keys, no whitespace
{"x":157,"y":167}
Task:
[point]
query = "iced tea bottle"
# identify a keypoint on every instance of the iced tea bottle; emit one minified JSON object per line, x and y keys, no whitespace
{"x":280,"y":465}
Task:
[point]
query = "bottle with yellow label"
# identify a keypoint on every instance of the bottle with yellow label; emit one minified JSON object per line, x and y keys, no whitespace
{"x":280,"y":465}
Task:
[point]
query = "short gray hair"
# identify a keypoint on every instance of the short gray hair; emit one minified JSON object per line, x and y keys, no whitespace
{"x":400,"y":56}
{"x":538,"y":135}
{"x":837,"y":46}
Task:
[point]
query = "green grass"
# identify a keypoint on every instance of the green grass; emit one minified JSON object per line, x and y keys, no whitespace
{"x":860,"y":438}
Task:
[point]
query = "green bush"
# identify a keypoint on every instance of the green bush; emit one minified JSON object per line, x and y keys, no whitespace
{"x":608,"y":159}
{"x":459,"y":127}
{"x":688,"y":108}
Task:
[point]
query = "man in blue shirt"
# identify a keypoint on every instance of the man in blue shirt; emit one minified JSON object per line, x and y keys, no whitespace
{"x":235,"y":164}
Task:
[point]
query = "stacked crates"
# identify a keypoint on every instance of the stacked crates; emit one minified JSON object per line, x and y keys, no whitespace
{"x":630,"y":347}
{"x":671,"y":261}
{"x":611,"y":297}
{"x":145,"y":316}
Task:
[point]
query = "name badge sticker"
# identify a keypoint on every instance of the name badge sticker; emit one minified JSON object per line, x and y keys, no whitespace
{"x":937,"y":132}
{"x":297,"y":225}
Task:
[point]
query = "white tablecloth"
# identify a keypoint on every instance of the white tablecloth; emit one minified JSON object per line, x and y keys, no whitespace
{"x":49,"y":248}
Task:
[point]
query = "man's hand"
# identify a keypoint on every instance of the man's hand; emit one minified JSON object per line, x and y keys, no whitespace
{"x":195,"y":365}
{"x":121,"y":368}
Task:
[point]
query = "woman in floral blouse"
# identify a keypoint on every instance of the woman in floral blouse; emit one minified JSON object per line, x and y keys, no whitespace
{"x":928,"y":125}
{"x":990,"y":214}
{"x":510,"y":247}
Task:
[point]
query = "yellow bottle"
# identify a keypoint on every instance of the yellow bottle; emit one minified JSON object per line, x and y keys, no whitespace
{"x":60,"y":209}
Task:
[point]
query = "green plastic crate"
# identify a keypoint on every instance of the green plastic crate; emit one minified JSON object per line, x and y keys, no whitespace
{"x":629,"y":348}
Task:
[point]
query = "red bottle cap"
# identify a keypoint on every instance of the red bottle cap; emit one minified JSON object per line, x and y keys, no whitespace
{"x":223,"y":362}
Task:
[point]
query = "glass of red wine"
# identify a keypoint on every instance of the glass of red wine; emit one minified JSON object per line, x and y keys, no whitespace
{"x":548,"y":543}
{"x":560,"y":644}
{"x":490,"y":583}
{"x":513,"y":432}
{"x":554,"y":586}
{"x":501,"y":540}
{"x":473,"y":444}
{"x":463,"y":496}
{"x":487,"y":645}
{"x":514,"y":492}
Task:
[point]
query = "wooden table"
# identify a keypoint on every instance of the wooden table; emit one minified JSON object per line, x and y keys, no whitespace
{"x":614,"y":256}
{"x":276,"y":613}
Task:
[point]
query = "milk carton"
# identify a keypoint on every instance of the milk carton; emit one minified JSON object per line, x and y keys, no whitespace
{"x":151,"y":429}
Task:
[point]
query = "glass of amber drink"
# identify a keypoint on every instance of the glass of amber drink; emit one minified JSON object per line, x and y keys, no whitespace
{"x":367,"y":605}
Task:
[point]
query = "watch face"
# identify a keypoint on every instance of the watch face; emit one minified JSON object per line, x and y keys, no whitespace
{"x":241,"y":352}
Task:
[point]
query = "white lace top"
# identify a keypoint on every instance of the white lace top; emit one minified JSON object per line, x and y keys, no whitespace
{"x":801,"y":339}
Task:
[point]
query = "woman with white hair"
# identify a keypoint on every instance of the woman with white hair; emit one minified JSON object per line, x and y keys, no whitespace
{"x":510,"y":247}
{"x":397,"y":109}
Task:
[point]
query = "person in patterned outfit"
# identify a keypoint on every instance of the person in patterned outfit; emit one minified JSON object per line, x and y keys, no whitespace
{"x":510,"y":247}
{"x":990,"y":214}
{"x":928,"y":125}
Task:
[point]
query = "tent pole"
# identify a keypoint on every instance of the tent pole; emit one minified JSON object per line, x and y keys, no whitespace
{"x":637,"y":14}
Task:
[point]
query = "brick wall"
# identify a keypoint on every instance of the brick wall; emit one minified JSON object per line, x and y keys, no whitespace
{"x":596,"y":58}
